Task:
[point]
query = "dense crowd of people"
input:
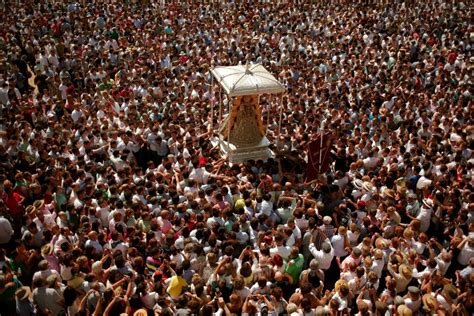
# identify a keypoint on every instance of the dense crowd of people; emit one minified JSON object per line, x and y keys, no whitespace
{"x":114,"y":200}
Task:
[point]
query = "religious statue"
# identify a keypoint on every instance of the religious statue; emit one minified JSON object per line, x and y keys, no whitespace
{"x":245,"y":123}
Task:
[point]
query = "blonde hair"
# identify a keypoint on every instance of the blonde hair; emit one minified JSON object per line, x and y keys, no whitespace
{"x":342,"y":230}
{"x":408,"y":233}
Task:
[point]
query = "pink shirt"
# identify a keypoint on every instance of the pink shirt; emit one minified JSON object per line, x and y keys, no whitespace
{"x":53,"y":262}
{"x":346,"y":262}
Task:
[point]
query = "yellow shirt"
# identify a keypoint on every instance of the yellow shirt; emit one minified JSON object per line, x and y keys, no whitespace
{"x":176,"y":286}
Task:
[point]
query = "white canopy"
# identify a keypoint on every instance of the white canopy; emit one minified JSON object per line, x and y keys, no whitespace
{"x":246,"y":79}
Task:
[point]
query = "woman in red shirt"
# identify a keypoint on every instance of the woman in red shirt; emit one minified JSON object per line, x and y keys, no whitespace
{"x":14,"y":204}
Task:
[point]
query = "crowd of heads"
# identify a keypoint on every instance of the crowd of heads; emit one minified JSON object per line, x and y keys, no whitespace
{"x":115,"y":200}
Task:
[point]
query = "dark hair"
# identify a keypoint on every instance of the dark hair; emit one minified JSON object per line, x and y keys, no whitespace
{"x":70,"y":296}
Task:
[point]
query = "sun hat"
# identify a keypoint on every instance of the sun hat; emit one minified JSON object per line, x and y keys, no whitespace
{"x":358,"y":183}
{"x":38,"y":204}
{"x":368,"y":186}
{"x":140,"y":312}
{"x":389,"y":193}
{"x":450,"y":291}
{"x":47,"y":250}
{"x":30,"y":209}
{"x":429,"y":302}
{"x":22,"y":293}
{"x":406,"y":271}
{"x":428,"y":203}
{"x":327,"y":220}
{"x":404,"y":310}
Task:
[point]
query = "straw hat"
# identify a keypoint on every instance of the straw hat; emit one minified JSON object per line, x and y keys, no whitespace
{"x":30,"y":209}
{"x":23,"y":293}
{"x":38,"y":204}
{"x":406,"y":271}
{"x":389,"y":193}
{"x":358,"y":184}
{"x":368,"y":186}
{"x":428,"y":203}
{"x":429,"y":302}
{"x":327,"y":220}
{"x":404,"y":310}
{"x":140,"y":312}
{"x":47,"y":250}
{"x":450,"y":291}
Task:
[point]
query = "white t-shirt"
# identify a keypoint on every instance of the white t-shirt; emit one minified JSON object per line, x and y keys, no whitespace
{"x":467,"y":252}
{"x":283,"y":251}
{"x":444,"y":303}
{"x":323,"y":258}
{"x":337,"y":242}
{"x":443,"y":266}
{"x":377,"y":266}
{"x":149,"y":299}
{"x":76,"y":115}
{"x":103,"y":215}
{"x":425,"y":218}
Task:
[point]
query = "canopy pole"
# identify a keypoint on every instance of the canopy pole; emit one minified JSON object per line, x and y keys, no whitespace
{"x":269,"y":107}
{"x":228,"y":123}
{"x":279,"y":121}
{"x":220,"y":103}
{"x":220,"y":116}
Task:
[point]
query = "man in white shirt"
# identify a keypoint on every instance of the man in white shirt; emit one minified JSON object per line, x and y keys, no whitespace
{"x":443,"y":261}
{"x":340,"y":242}
{"x":295,"y":237}
{"x":200,"y":175}
{"x":324,"y":256}
{"x":467,"y":251}
{"x":93,"y":242}
{"x":430,"y":268}
{"x":280,"y":248}
{"x":424,"y":216}
{"x":378,"y":262}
